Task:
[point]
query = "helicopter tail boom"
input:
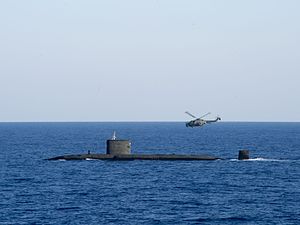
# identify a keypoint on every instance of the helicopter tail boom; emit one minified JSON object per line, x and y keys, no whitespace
{"x":215,"y":120}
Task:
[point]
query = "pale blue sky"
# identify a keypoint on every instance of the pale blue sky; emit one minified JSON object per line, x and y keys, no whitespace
{"x":92,"y":60}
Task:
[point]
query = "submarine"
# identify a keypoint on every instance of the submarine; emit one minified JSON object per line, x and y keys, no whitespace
{"x":121,"y":150}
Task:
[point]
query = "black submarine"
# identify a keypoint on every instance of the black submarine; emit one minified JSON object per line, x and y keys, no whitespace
{"x":121,"y":150}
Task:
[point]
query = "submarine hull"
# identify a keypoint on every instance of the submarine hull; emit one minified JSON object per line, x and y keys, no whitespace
{"x":134,"y":157}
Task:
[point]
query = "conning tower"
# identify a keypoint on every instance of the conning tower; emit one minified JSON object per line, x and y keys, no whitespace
{"x":118,"y":147}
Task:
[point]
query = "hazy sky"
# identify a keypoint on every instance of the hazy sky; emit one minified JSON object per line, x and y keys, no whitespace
{"x":133,"y":60}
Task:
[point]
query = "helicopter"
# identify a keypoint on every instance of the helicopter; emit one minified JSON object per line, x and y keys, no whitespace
{"x":198,"y":122}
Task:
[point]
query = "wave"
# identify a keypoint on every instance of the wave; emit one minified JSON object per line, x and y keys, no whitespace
{"x":263,"y":160}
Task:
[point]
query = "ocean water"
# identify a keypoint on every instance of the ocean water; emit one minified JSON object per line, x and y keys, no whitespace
{"x":263,"y":190}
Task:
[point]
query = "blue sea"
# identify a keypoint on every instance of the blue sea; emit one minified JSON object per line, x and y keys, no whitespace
{"x":263,"y":190}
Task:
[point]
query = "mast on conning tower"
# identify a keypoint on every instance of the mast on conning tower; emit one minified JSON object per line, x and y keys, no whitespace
{"x":114,"y":136}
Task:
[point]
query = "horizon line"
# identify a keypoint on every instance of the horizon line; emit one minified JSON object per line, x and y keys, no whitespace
{"x":148,"y":121}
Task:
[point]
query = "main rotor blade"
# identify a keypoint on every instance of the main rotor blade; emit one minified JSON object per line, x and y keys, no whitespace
{"x":204,"y":115}
{"x":191,"y":114}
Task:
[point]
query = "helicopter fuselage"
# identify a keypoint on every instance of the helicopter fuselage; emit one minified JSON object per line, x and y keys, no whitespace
{"x":195,"y":123}
{"x":200,"y":122}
